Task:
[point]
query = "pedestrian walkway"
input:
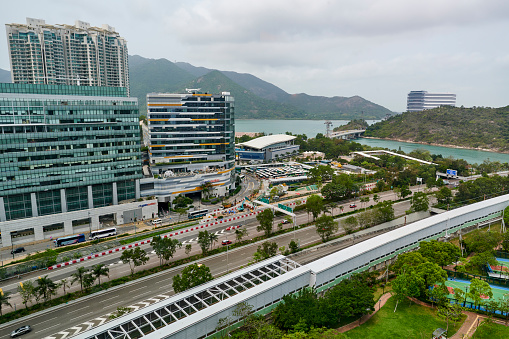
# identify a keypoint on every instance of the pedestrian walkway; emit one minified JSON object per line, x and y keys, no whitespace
{"x":380,"y":303}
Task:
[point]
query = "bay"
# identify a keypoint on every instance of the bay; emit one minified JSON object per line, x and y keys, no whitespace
{"x":312,"y":127}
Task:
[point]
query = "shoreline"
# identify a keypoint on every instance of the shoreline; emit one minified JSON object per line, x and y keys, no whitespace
{"x":439,"y":145}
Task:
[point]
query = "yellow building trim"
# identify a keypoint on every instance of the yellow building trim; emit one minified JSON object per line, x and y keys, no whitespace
{"x":222,"y":172}
{"x":151,"y":105}
{"x":157,"y":146}
{"x":202,"y":95}
{"x":196,"y":189}
{"x":158,"y":119}
{"x":204,"y":119}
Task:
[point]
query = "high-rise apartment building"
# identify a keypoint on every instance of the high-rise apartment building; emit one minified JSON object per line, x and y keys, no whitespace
{"x":70,"y":156}
{"x":67,"y":55}
{"x":421,"y":100}
{"x":192,"y":140}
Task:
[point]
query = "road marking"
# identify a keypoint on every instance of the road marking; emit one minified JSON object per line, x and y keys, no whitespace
{"x":78,"y":310}
{"x":45,"y":321}
{"x":138,"y":289}
{"x":86,"y":314}
{"x":108,"y":299}
{"x":52,"y":326}
{"x":117,"y":303}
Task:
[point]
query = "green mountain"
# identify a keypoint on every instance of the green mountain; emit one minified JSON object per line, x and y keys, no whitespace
{"x":150,"y":75}
{"x":247,"y":105}
{"x":5,"y":76}
{"x":477,"y":127}
{"x":338,"y":108}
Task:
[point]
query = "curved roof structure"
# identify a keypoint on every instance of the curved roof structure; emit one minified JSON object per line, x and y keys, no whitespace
{"x":262,"y":142}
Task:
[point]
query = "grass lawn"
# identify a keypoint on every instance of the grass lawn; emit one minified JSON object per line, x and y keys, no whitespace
{"x":412,"y":321}
{"x":491,"y":331}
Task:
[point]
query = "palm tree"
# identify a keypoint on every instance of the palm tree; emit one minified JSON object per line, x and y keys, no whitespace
{"x":206,"y":187}
{"x":4,"y":300}
{"x":79,"y":275}
{"x":64,"y":283}
{"x":240,"y":233}
{"x":46,"y":287}
{"x":213,"y":238}
{"x":100,"y":269}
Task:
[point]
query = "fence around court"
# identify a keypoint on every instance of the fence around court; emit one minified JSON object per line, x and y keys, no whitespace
{"x":468,"y":276}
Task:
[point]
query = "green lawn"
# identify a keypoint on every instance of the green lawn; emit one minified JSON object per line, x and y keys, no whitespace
{"x":412,"y":321}
{"x":491,"y":331}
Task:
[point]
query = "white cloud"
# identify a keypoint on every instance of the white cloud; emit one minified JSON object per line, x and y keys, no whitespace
{"x":376,"y":49}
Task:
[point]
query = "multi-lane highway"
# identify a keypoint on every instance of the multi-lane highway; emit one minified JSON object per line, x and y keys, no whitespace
{"x":92,"y":307}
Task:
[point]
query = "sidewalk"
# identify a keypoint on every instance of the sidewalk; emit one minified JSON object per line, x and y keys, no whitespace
{"x":383,"y":299}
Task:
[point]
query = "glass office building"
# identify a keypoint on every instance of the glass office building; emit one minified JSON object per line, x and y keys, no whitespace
{"x":191,"y":130}
{"x":66,"y":148}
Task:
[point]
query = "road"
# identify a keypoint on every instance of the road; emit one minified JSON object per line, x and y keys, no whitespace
{"x":88,"y":308}
{"x":249,"y":184}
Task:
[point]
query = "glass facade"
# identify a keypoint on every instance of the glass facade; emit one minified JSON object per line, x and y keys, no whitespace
{"x":55,"y":145}
{"x":191,"y":128}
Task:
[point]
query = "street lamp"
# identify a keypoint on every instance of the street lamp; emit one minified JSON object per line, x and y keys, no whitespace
{"x":227,"y":261}
{"x":466,"y":291}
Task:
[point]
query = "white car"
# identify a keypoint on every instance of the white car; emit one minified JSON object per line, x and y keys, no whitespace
{"x":20,"y":331}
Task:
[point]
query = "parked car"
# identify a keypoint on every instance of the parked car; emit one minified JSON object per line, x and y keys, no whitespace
{"x":285,"y":222}
{"x":18,"y":250}
{"x":20,"y":331}
{"x":353,"y":205}
{"x":226,"y":242}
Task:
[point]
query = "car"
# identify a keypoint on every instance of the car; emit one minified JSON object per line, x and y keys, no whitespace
{"x":226,"y":242}
{"x":353,"y":205}
{"x":18,"y":250}
{"x":20,"y":331}
{"x":285,"y":221}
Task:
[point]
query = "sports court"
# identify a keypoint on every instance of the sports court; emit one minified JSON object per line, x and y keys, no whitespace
{"x":498,"y":291}
{"x":503,"y":266}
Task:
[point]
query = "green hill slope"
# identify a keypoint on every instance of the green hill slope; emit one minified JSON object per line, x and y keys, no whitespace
{"x":478,"y":127}
{"x":149,"y":75}
{"x":247,"y":105}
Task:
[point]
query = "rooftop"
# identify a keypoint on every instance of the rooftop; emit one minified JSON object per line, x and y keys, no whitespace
{"x":262,"y":142}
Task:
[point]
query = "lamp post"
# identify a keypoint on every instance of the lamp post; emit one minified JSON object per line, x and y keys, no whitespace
{"x":466,"y":291}
{"x":227,"y":261}
{"x":89,"y":224}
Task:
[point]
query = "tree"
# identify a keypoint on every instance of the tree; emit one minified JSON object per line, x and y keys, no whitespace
{"x":441,"y":253}
{"x":79,"y":275}
{"x":480,"y":241}
{"x":303,"y":306}
{"x":480,"y":260}
{"x":265,"y":218}
{"x":27,"y":292}
{"x":503,"y":306}
{"x":405,"y":285}
{"x":88,"y":280}
{"x":265,"y":251}
{"x":240,"y":233}
{"x":326,"y":227}
{"x":193,"y":275}
{"x":431,"y":274}
{"x":404,"y":191}
{"x":410,"y":260}
{"x":165,"y":248}
{"x":188,"y":249}
{"x":314,"y":205}
{"x":293,"y":246}
{"x":46,"y":288}
{"x":204,"y":241}
{"x":349,"y":224}
{"x":364,"y":200}
{"x":64,"y":283}
{"x":376,"y":198}
{"x":438,"y":294}
{"x":479,"y":289}
{"x":206,"y":188}
{"x":180,"y":211}
{"x":134,"y":257}
{"x":444,"y":196}
{"x":385,"y":211}
{"x":4,"y":300}
{"x":420,"y":202}
{"x":450,"y":311}
{"x":213,"y":239}
{"x":100,"y":270}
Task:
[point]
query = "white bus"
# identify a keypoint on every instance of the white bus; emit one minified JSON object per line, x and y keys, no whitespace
{"x":197,"y":214}
{"x":107,"y":232}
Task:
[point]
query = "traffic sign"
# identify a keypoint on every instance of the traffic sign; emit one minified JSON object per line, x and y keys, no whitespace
{"x":451,"y":172}
{"x":286,"y":208}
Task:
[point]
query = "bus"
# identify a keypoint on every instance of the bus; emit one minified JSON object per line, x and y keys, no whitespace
{"x":197,"y":214}
{"x":72,"y":239}
{"x":107,"y":232}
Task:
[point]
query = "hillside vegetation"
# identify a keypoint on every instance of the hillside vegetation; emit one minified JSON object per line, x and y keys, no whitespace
{"x":352,"y":124}
{"x":477,"y":127}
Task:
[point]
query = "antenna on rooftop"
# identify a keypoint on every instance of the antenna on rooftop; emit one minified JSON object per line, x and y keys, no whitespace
{"x":328,"y":125}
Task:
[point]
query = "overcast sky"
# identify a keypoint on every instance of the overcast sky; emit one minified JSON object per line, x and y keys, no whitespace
{"x":379,"y":50}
